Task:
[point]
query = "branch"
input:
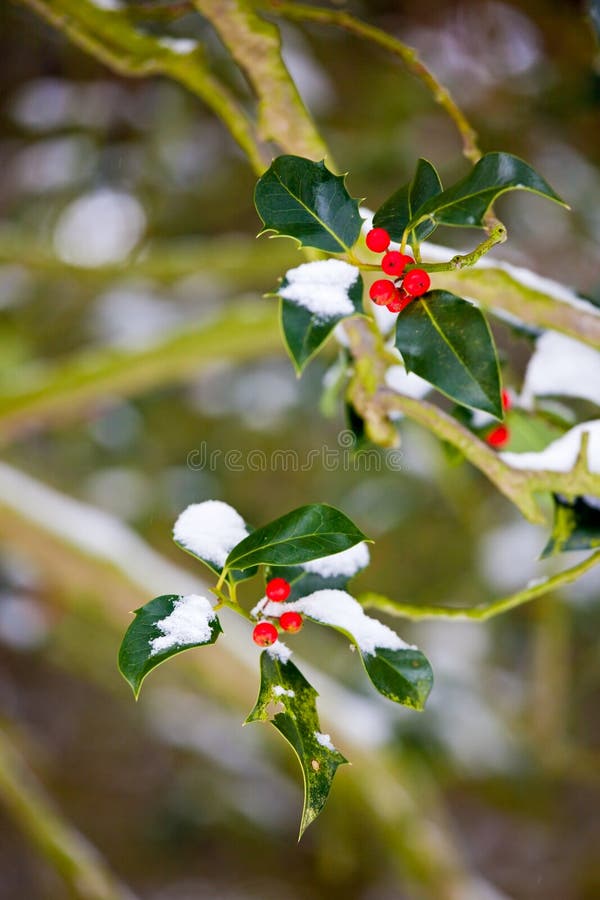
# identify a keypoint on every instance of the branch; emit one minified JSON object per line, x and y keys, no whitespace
{"x":374,"y":402}
{"x":409,"y":57}
{"x":255,"y":44}
{"x":485,"y":610}
{"x":88,"y":379}
{"x":548,"y":305}
{"x":74,"y":858}
{"x":110,"y":36}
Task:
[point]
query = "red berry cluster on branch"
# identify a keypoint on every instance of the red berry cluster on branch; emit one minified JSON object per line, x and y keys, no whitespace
{"x":265,"y":633}
{"x":407,"y":287}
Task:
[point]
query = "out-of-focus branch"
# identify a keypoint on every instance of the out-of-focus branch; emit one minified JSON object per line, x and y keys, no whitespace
{"x":62,"y":846}
{"x":255,"y":45}
{"x":300,"y":12}
{"x":110,"y":36}
{"x":82,"y":383}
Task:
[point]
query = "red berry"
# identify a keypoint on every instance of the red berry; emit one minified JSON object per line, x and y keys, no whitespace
{"x":378,"y":240}
{"x":278,"y":590}
{"x":382,"y":291}
{"x":499,"y":436}
{"x":264,"y":634}
{"x":394,"y":263}
{"x":506,"y":400}
{"x":291,"y":621}
{"x":416,"y":282}
{"x":400,"y":302}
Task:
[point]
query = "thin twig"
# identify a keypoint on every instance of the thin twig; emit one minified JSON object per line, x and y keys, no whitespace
{"x":408,"y":55}
{"x":485,"y":610}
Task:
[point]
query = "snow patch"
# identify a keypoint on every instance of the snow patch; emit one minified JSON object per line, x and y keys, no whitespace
{"x":561,"y":455}
{"x":324,"y":740}
{"x":347,"y":562}
{"x":407,"y":383}
{"x":178,"y":45}
{"x":280,"y":691}
{"x":340,"y":610}
{"x":210,"y":530}
{"x":189,"y":623}
{"x":321,"y":287}
{"x":279,"y":650}
{"x":563,"y":366}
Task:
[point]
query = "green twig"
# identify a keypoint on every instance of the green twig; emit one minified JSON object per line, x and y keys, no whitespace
{"x":465,"y":260}
{"x":409,"y":57}
{"x":485,"y":610}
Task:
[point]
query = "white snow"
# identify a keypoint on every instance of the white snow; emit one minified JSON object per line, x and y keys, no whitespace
{"x":321,"y":287}
{"x":561,"y":455}
{"x":189,"y":623}
{"x":107,"y":5}
{"x":210,"y":529}
{"x":279,"y":650}
{"x":347,"y":562}
{"x":324,"y":740}
{"x":178,"y":45}
{"x":407,"y":383}
{"x":562,"y":366}
{"x":280,"y":691}
{"x":340,"y":610}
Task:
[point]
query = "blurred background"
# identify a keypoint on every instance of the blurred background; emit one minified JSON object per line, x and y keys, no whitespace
{"x":133,"y":337}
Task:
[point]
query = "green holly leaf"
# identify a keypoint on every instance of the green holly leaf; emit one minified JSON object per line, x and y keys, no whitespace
{"x":305,"y":328}
{"x":404,"y":676}
{"x":162,"y":628}
{"x":448,"y":342}
{"x":288,"y":701}
{"x":467,"y":202}
{"x":304,"y":534}
{"x":576,"y":525}
{"x":399,"y":209}
{"x":400,"y":672}
{"x":302,"y":199}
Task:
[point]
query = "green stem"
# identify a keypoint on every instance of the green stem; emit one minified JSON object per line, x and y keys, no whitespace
{"x":408,"y":55}
{"x":485,"y":610}
{"x":462,"y":261}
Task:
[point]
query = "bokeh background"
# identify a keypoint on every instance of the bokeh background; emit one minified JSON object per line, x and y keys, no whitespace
{"x":132,"y":318}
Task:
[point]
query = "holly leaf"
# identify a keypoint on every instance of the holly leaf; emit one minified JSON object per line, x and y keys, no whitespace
{"x":305,"y":330}
{"x":304,"y":534}
{"x":404,"y":676}
{"x":467,"y":202}
{"x":162,"y":628}
{"x":399,"y":672}
{"x":448,"y":342}
{"x":288,"y":701}
{"x":399,"y":209}
{"x":576,"y":525}
{"x":302,"y":199}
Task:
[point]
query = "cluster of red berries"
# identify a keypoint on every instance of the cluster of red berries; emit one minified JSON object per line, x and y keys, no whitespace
{"x":265,"y":633}
{"x":389,"y":293}
{"x":500,"y":435}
